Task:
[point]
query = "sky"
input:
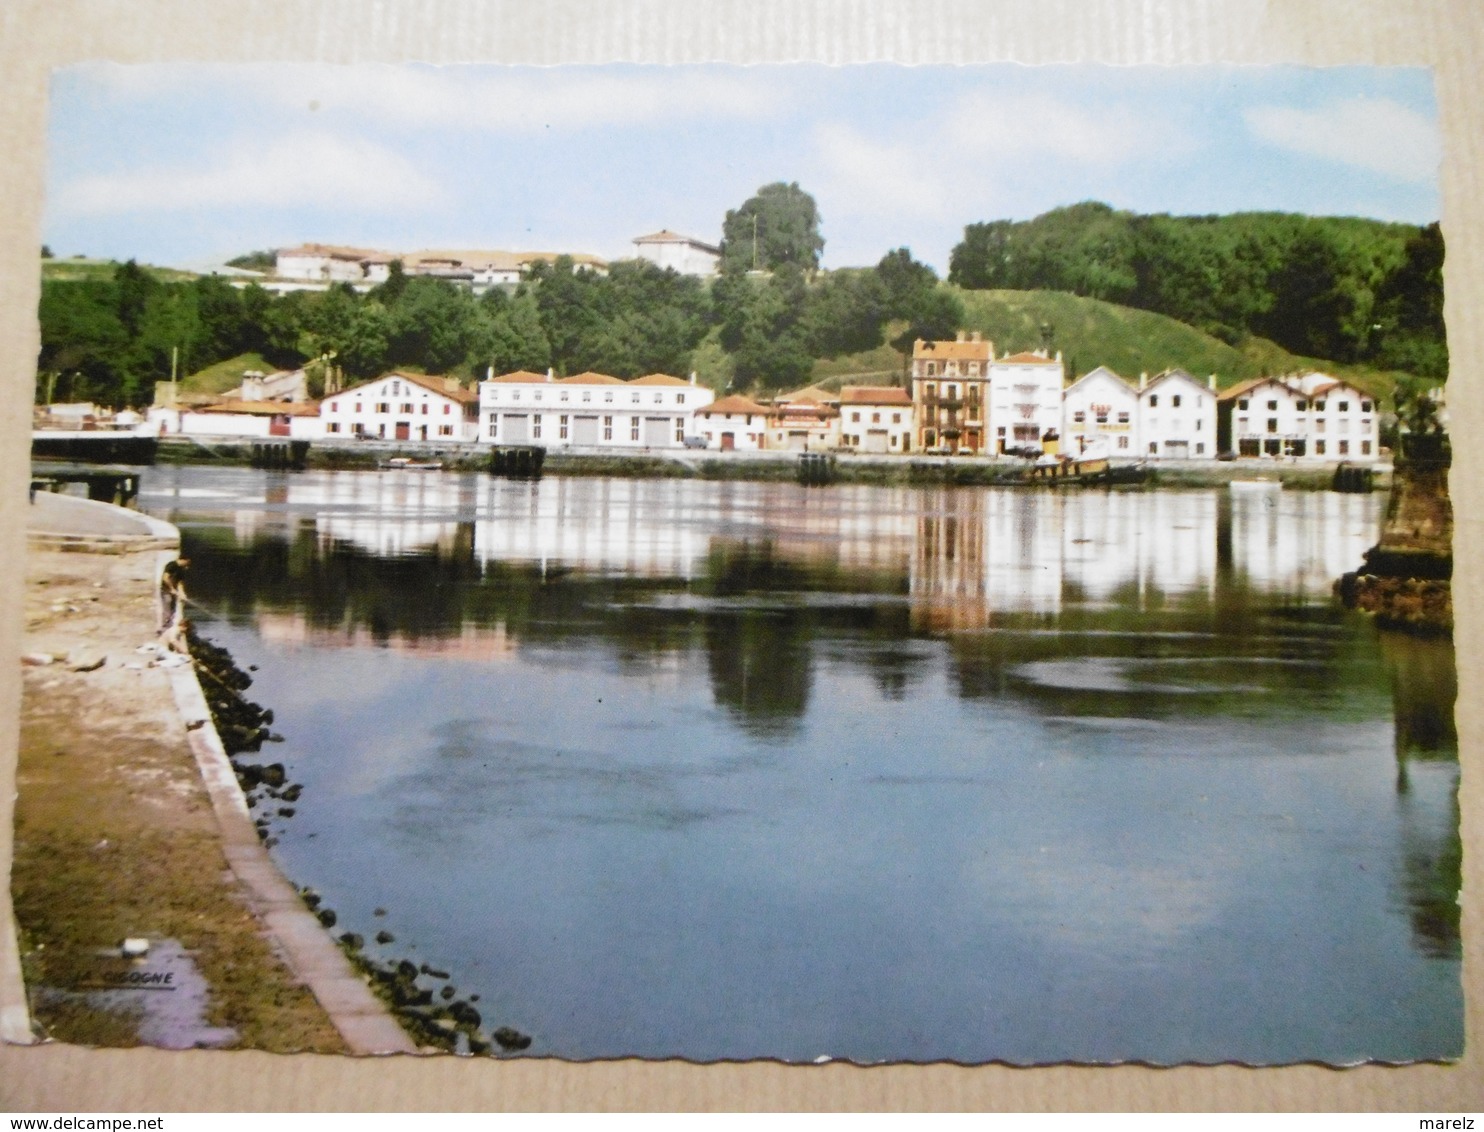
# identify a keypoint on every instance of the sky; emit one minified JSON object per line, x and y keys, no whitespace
{"x":191,"y":164}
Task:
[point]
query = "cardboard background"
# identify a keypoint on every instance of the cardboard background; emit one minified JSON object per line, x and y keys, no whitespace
{"x":36,"y":35}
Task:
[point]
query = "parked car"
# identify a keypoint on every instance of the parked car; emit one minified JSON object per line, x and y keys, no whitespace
{"x":695,"y":442}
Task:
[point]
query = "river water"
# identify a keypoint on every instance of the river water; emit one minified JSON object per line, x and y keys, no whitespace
{"x":736,"y":770}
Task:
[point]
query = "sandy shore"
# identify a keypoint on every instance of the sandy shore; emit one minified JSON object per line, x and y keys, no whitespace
{"x":121,"y":833}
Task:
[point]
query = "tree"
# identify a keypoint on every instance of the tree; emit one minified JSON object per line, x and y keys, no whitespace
{"x":778,"y":225}
{"x":843,"y":314}
{"x":913,"y":294}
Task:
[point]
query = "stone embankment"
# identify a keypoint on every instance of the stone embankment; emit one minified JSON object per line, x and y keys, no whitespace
{"x":137,"y":867}
{"x":1406,"y":579}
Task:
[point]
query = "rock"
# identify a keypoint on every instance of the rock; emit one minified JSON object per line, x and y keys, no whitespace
{"x":327,"y":917}
{"x":273,"y":774}
{"x":134,"y":947}
{"x":511,"y":1039}
{"x":285,"y":811}
{"x":433,"y":972}
{"x":407,"y":970}
{"x":352,"y":941}
{"x":473,"y":998}
{"x":37,"y":659}
{"x":385,"y":937}
{"x":292,"y":795}
{"x":374,"y":911}
{"x":91,"y":664}
{"x":447,"y":992}
{"x":195,"y":725}
{"x":270,"y":842}
{"x":464,"y":1014}
{"x":477,"y":1046}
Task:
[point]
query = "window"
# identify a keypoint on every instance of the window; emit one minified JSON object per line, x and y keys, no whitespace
{"x":1079,"y":417}
{"x":633,"y":428}
{"x":1365,"y":447}
{"x":492,"y":418}
{"x":447,"y":409}
{"x":896,"y":418}
{"x":425,"y":408}
{"x":929,"y":438}
{"x":537,"y":396}
{"x":875,"y":418}
{"x":1319,"y":425}
{"x":1272,"y":406}
{"x":1123,"y":442}
{"x":1319,"y":448}
{"x":445,"y":430}
{"x":536,"y":427}
{"x":608,"y":396}
{"x":1153,"y":448}
{"x":1242,"y":424}
{"x":515,"y":395}
{"x":562,"y":428}
{"x":563,"y":395}
{"x":1344,"y":448}
{"x":930,"y":390}
{"x":659,"y":398}
{"x":634,"y":397}
{"x":932,"y":370}
{"x":680,"y":398}
{"x":952,"y":393}
{"x":587,"y":395}
{"x":333,"y":426}
{"x":1175,"y":400}
{"x":1344,"y":406}
{"x":1154,"y":401}
{"x":1272,"y":424}
{"x":494,"y":394}
{"x":1302,"y":406}
{"x":383,"y":407}
{"x":1319,"y":406}
{"x":679,"y":430}
{"x":1365,"y":406}
{"x":406,"y":407}
{"x":1200,"y":449}
{"x":607,"y":428}
{"x":1123,"y":417}
{"x":1101,"y":414}
{"x":855,"y":418}
{"x":494,"y":427}
{"x":1242,"y":403}
{"x":334,"y":406}
{"x":358,"y":406}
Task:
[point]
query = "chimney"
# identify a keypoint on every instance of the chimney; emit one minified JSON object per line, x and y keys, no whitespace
{"x":974,"y":337}
{"x":1211,"y":383}
{"x":1143,"y":381}
{"x":961,"y":336}
{"x":1058,"y":355}
{"x":489,"y":373}
{"x":550,"y":374}
{"x":693,"y":378}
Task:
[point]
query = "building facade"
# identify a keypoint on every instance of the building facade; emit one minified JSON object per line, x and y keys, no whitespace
{"x":1025,"y":400}
{"x":1099,"y":410}
{"x":680,"y":253}
{"x":1300,"y":416}
{"x":950,"y":383}
{"x":875,"y":419}
{"x":733,"y":423}
{"x":402,"y":406}
{"x":807,"y":420}
{"x":1177,"y":417}
{"x":589,"y":410}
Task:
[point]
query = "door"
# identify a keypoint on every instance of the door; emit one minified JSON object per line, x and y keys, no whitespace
{"x":657,"y":432}
{"x":517,"y":428}
{"x":404,"y":430}
{"x":584,"y":430}
{"x":728,"y":441}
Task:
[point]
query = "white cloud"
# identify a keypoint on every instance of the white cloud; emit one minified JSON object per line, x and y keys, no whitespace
{"x":1376,"y":134}
{"x":467,"y":98}
{"x":300,"y":169}
{"x":865,"y":176}
{"x":1030,"y":126}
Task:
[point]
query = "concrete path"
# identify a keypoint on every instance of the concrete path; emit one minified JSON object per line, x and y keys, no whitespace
{"x":70,"y":523}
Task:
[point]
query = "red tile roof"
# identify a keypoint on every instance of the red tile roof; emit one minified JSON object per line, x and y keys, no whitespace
{"x":658,"y":379}
{"x":520,"y":377}
{"x":735,"y":403}
{"x":874,"y":395}
{"x":589,"y":378}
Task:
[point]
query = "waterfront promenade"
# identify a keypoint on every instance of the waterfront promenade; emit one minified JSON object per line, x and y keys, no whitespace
{"x":130,"y":825}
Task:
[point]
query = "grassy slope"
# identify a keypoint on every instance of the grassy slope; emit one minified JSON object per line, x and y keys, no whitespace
{"x":1090,"y":333}
{"x":224,"y":375}
{"x":81,"y":268}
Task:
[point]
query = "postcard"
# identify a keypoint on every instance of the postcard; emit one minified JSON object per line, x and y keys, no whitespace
{"x":866,"y":564}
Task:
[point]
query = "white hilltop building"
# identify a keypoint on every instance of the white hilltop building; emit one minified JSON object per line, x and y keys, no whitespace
{"x":1177,"y":416}
{"x":684,"y":254}
{"x":1098,"y":415}
{"x":589,"y":410}
{"x":319,"y":266}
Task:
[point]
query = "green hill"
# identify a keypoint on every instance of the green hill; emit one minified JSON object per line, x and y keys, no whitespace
{"x":1090,"y":333}
{"x":224,"y":375}
{"x":80,"y":269}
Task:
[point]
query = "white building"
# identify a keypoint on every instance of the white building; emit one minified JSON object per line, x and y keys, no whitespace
{"x":875,"y":419}
{"x":589,"y":410}
{"x":733,"y":423}
{"x":684,"y":254}
{"x":1025,"y":396}
{"x":1177,"y":417}
{"x":403,"y":406}
{"x":245,"y":419}
{"x":327,"y":263}
{"x":1098,"y":415}
{"x":1310,"y":415}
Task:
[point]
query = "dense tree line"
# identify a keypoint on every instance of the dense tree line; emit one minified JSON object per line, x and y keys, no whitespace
{"x":1346,"y":289}
{"x":109,"y":340}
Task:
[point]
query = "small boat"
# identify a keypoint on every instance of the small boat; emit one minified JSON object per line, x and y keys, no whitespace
{"x":407,"y":464}
{"x":1256,"y":485}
